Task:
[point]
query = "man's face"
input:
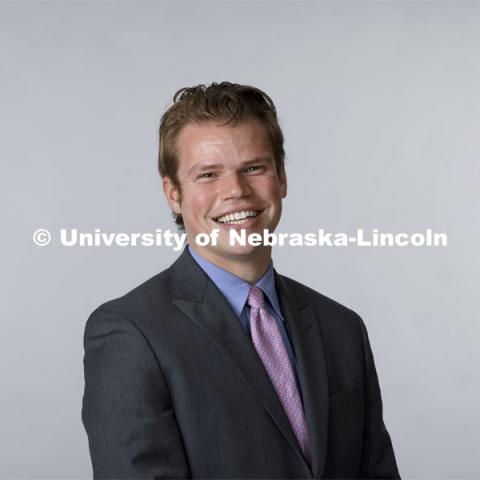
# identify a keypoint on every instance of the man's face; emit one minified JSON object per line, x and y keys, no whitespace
{"x":228,"y":180}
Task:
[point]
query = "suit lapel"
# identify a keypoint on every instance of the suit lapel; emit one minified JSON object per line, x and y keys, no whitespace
{"x":197,"y":296}
{"x":305,"y":334}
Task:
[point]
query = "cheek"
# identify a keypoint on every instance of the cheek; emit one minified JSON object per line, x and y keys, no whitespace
{"x":200,"y":199}
{"x":270,"y":187}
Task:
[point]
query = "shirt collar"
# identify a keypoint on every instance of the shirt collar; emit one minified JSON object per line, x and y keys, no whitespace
{"x":234,"y":288}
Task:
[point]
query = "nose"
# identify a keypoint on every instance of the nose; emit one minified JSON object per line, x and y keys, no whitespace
{"x":234,"y":185}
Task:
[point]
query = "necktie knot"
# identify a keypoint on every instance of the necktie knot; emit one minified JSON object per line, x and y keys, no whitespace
{"x":255,"y":298}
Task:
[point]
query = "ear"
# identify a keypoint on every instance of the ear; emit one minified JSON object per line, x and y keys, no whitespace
{"x":282,"y":178}
{"x":172,"y":193}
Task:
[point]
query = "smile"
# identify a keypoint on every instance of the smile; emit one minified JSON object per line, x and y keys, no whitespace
{"x":237,"y":218}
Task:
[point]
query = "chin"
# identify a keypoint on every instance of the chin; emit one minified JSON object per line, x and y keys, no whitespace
{"x":240,"y":251}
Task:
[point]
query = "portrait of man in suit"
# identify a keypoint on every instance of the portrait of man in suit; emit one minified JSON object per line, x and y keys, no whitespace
{"x":220,"y":367}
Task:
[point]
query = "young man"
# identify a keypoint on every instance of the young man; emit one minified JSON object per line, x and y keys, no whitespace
{"x":218,"y":367}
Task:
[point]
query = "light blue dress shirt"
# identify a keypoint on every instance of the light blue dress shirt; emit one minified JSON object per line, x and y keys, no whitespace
{"x":236,"y":291}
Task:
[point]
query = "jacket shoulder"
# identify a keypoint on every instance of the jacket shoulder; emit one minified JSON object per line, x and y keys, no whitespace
{"x":141,"y":302}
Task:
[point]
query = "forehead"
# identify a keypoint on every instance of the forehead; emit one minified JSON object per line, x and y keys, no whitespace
{"x":210,"y":141}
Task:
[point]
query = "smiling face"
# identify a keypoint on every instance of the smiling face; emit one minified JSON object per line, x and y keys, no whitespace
{"x":228,"y":180}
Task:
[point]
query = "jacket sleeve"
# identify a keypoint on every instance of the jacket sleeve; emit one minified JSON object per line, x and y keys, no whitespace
{"x":127,"y":410}
{"x":378,"y":458}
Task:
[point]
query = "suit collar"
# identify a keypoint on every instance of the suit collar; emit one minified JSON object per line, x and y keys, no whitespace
{"x":305,"y":333}
{"x":189,"y":281}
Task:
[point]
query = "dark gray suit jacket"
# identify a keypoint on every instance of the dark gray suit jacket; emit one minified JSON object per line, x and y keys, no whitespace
{"x":174,"y":387}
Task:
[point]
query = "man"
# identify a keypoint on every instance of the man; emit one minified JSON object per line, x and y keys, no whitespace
{"x":218,"y":367}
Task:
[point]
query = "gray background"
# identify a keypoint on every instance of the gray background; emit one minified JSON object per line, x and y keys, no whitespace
{"x":380,"y":106}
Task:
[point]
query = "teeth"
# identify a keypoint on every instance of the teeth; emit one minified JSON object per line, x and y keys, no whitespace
{"x":237,"y":217}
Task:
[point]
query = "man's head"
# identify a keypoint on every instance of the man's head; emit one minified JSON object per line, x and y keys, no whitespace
{"x":223,"y":103}
{"x":222,"y":163}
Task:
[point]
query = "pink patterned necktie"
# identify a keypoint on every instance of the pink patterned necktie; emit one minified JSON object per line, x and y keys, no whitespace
{"x":269,"y":344}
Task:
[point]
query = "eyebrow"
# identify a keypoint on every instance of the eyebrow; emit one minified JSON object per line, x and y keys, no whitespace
{"x":217,"y":166}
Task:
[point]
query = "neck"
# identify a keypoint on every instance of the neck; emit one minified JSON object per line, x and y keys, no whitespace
{"x":249,"y":267}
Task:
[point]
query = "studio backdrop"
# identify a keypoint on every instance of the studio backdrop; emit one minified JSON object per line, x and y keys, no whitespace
{"x":380,"y":106}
